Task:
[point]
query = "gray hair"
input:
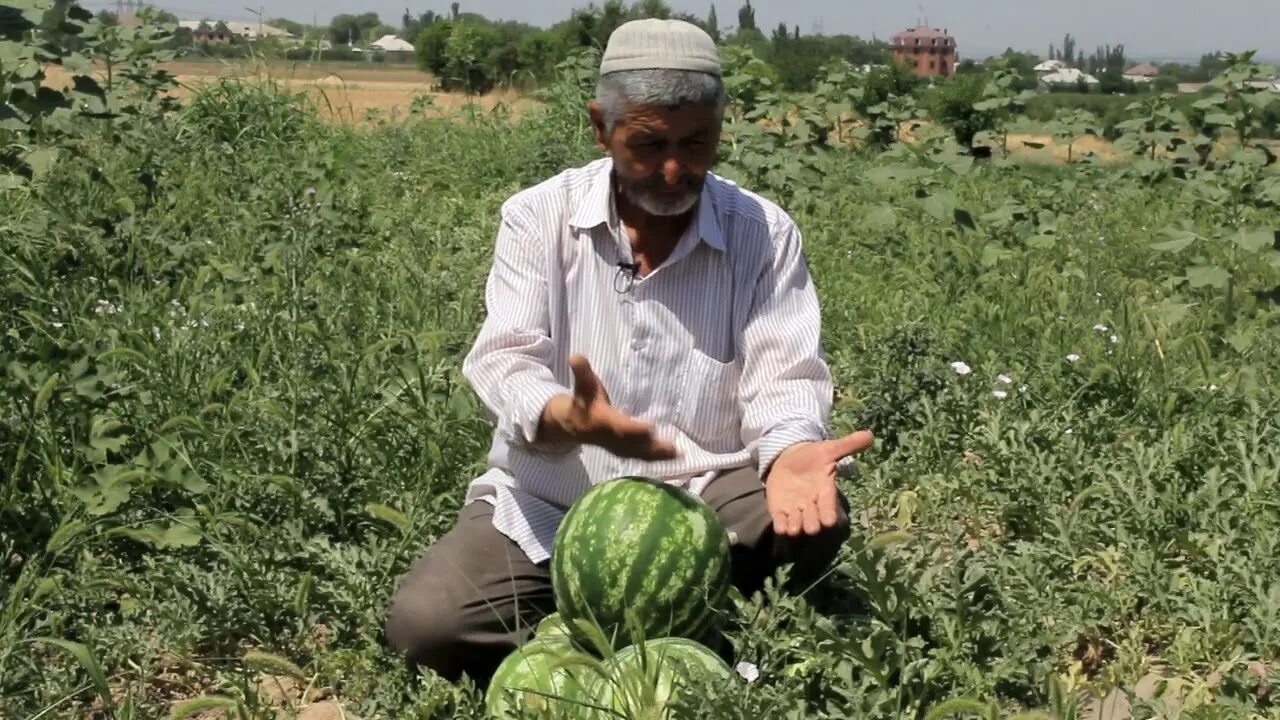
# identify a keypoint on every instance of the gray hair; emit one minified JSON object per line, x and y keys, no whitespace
{"x":667,"y":88}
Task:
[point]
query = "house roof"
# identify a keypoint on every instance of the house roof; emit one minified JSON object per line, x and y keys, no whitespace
{"x":1069,"y":76}
{"x":1050,"y":66}
{"x":920,"y":32}
{"x":1144,"y":70}
{"x":391,"y":43}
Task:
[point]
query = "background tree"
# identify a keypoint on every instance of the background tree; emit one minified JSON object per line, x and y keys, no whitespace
{"x":347,"y":29}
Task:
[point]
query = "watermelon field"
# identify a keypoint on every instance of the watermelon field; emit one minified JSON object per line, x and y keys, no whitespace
{"x":232,"y":413}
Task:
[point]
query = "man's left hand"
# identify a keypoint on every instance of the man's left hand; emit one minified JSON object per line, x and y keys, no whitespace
{"x":800,"y":488}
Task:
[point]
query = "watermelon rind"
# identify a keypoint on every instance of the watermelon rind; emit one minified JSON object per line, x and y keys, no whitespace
{"x":634,"y":559}
{"x":539,"y":680}
{"x":655,"y":678}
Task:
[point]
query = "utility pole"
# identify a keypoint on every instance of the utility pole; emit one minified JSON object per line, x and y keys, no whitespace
{"x":261,"y":9}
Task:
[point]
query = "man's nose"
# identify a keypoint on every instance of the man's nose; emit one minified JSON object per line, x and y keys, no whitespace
{"x":672,"y":170}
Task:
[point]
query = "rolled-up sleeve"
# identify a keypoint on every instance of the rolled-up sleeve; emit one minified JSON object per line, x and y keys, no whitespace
{"x":510,"y":364}
{"x":786,"y":385}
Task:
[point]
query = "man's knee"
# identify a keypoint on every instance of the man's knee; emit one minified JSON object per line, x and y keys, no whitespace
{"x":425,"y":626}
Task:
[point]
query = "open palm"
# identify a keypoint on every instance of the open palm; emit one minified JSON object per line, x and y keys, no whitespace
{"x":800,"y":489}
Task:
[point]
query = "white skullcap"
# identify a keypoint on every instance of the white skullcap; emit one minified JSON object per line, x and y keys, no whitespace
{"x":653,"y":43}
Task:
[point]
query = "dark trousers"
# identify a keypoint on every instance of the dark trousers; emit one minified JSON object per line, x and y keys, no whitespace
{"x":474,"y":596}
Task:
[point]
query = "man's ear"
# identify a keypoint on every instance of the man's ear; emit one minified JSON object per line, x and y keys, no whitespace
{"x":598,"y":124}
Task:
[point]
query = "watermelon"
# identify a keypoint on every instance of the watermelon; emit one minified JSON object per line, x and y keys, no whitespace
{"x":648,"y":680}
{"x":538,"y":680}
{"x":551,"y":625}
{"x":634,"y":555}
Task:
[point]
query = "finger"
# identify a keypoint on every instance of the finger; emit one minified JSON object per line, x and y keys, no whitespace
{"x":851,"y":444}
{"x":779,"y":522}
{"x":634,"y":438}
{"x":586,"y":385}
{"x":828,"y":504}
{"x":809,"y":516}
{"x":795,"y":520}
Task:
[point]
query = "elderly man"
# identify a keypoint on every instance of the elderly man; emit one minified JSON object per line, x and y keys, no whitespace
{"x":645,"y":317}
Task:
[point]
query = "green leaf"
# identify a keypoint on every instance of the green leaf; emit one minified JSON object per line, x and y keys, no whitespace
{"x":1042,"y":241}
{"x":9,"y":181}
{"x":1241,"y":340}
{"x":965,"y":219}
{"x":180,"y":535}
{"x":1255,"y":240}
{"x":1171,"y":313}
{"x":1178,"y":241}
{"x":389,"y":515}
{"x":1211,"y":275}
{"x":41,"y":161}
{"x":882,"y":217}
{"x":941,"y":206}
{"x":883,"y":540}
{"x":89,"y":662}
{"x":892,"y":174}
{"x":994,"y":253}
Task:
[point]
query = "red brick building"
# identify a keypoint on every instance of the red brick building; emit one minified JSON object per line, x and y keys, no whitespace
{"x":926,"y":51}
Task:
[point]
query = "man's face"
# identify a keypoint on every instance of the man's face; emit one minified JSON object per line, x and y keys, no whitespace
{"x":661,"y":155}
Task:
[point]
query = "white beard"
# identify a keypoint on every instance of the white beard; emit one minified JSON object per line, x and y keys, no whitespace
{"x":662,"y":208}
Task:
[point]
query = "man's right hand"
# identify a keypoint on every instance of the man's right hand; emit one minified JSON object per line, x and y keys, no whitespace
{"x":587,"y":417}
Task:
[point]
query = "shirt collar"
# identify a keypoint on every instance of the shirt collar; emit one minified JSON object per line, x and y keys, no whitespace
{"x":597,"y":206}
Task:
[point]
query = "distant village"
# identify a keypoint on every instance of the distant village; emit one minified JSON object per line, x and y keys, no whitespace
{"x":924,"y":50}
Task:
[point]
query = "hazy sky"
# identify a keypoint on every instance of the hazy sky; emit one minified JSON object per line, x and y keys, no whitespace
{"x":1146,"y":27}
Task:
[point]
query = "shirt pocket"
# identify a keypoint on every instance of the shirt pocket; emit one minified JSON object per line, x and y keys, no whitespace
{"x":710,"y":415}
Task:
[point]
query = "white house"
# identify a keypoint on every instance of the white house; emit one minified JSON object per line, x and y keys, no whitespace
{"x":391,"y":43}
{"x":1069,"y":77}
{"x":1049,"y":66}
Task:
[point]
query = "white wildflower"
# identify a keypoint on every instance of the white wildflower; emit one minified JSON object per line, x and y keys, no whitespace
{"x":1101,"y":328}
{"x":1000,"y":394}
{"x":1115,"y":339}
{"x":1022,"y":389}
{"x":57,"y":325}
{"x":1068,"y":431}
{"x":748,"y":671}
{"x":1073,"y":358}
{"x":961,"y":368}
{"x":1004,"y":379}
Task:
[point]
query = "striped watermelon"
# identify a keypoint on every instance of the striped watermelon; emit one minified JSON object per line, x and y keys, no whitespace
{"x":650,"y":679}
{"x":550,"y":626}
{"x":634,"y":554}
{"x":539,"y":679}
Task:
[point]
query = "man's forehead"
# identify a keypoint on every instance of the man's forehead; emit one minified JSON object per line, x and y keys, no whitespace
{"x":665,"y":116}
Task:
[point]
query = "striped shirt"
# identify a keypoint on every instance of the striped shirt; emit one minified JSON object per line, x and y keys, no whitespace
{"x":718,"y":346}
